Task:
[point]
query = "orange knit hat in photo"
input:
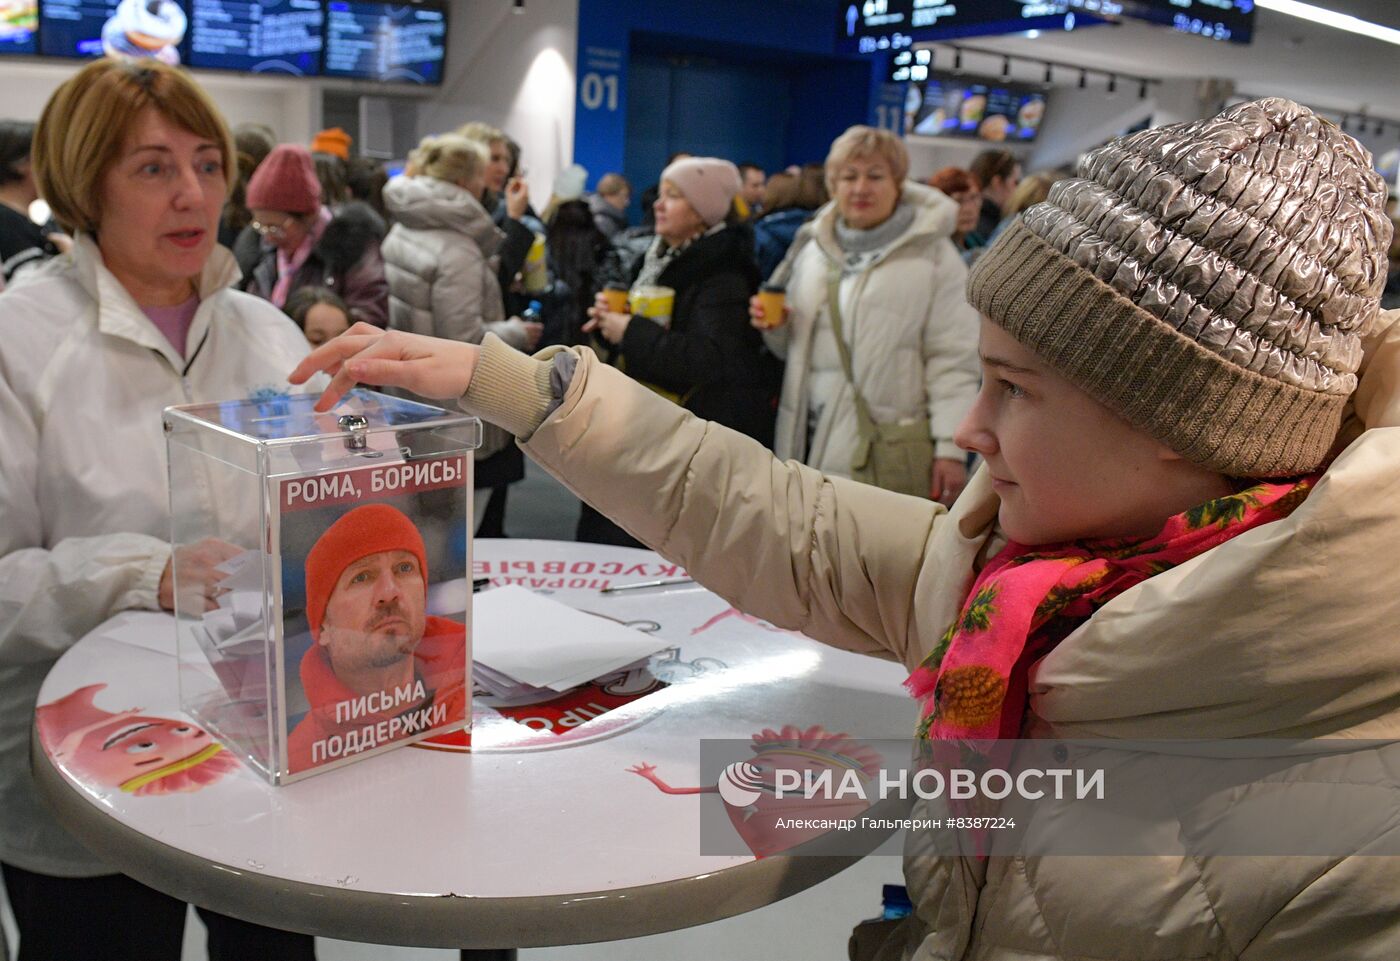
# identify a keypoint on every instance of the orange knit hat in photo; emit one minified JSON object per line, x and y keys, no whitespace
{"x":371,"y":529}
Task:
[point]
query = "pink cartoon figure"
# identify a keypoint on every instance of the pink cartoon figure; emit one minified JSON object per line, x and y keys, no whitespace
{"x":750,"y":793}
{"x":735,"y":613}
{"x":134,"y":752}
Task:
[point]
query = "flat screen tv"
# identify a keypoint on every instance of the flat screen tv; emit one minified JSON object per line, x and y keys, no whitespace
{"x":387,"y":42}
{"x":19,"y":27}
{"x":258,"y":36}
{"x":129,"y":28}
{"x":976,"y":107}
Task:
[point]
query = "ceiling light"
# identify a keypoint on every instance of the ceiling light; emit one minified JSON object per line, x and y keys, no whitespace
{"x":1331,"y":18}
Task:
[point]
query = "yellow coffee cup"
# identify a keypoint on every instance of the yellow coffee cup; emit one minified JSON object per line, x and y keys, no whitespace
{"x":772,"y":298}
{"x":616,"y":296}
{"x":654,"y":303}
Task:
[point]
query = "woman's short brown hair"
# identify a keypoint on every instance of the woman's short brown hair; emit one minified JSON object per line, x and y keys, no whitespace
{"x":86,"y":121}
{"x":953,"y":180}
{"x":871,"y":142}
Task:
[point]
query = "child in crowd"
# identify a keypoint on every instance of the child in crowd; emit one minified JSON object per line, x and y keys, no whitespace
{"x":319,"y":312}
{"x":1188,"y":420}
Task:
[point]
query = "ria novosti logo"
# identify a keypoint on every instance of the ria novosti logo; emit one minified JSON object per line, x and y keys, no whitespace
{"x":741,"y":784}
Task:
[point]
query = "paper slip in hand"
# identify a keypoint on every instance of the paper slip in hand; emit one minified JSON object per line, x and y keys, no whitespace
{"x":243,"y":574}
{"x":543,"y":643}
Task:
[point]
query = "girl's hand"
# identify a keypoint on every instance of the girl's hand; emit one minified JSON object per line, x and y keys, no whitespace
{"x":364,"y":354}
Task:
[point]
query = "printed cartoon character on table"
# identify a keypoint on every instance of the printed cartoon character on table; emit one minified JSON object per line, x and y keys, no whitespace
{"x":749,"y":788}
{"x":134,"y":752}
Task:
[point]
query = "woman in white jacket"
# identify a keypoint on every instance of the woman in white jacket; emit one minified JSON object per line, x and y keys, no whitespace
{"x":911,"y":335}
{"x":440,"y":260}
{"x":134,"y":159}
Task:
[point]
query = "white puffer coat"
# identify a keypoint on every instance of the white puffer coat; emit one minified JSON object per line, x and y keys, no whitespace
{"x":912,"y":335}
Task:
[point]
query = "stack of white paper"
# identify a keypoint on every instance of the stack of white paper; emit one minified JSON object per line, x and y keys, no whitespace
{"x":238,"y":617}
{"x":523,"y":642}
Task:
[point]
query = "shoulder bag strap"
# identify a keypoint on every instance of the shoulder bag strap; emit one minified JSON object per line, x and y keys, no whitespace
{"x":864,"y":421}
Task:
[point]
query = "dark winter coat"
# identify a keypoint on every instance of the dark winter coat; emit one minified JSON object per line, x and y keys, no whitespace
{"x":346,"y":259}
{"x":710,"y":355}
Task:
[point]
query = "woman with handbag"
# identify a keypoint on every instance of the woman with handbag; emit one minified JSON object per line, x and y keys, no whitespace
{"x":880,"y":343}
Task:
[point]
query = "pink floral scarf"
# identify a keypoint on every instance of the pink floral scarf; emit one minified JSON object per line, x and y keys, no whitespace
{"x":1025,"y":601}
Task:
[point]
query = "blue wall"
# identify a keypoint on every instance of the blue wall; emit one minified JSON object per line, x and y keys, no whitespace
{"x":746,"y":80}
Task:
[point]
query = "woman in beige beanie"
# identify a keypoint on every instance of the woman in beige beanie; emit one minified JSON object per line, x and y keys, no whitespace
{"x":1189,"y":416}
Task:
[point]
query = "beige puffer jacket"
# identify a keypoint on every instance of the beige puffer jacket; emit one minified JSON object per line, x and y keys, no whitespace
{"x":1285,"y":631}
{"x":912,"y":335}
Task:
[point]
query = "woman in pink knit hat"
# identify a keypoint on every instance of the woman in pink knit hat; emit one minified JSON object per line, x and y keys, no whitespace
{"x":704,"y":355}
{"x":304,"y":244}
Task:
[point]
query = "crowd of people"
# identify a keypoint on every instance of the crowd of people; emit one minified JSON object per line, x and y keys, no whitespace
{"x":830,"y":313}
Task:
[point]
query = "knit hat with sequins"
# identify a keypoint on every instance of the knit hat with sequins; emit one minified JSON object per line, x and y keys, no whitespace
{"x":1208,"y":281}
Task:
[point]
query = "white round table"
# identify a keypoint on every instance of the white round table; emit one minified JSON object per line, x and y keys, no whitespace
{"x":540,"y":834}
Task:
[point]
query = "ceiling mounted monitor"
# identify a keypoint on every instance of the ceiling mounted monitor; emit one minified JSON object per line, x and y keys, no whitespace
{"x":119,"y":28}
{"x":262,"y":36}
{"x":981,"y":108}
{"x":387,"y":42}
{"x":19,"y":26}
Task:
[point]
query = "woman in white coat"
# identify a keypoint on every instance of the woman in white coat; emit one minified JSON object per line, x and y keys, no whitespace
{"x":133,"y":159}
{"x":911,"y":336}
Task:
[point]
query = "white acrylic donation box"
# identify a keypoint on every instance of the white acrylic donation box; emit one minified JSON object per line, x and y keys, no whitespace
{"x":311,"y":552}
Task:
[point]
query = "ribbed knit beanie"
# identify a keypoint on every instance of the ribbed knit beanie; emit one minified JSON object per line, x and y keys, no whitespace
{"x":285,"y":181}
{"x":1209,"y":281}
{"x":366,"y":530}
{"x":334,"y":141}
{"x":708,"y":184}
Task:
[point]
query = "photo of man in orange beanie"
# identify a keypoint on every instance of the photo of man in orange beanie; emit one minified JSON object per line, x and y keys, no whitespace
{"x":381,"y":668}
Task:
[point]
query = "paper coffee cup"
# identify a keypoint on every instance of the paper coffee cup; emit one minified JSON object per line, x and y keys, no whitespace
{"x":616,"y":296}
{"x":772,"y":298}
{"x":654,"y":303}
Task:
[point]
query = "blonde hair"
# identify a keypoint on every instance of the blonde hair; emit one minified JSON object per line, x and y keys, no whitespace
{"x":450,"y":157}
{"x":861,"y":141}
{"x":481,"y":133}
{"x":85,"y":123}
{"x":1032,"y":189}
